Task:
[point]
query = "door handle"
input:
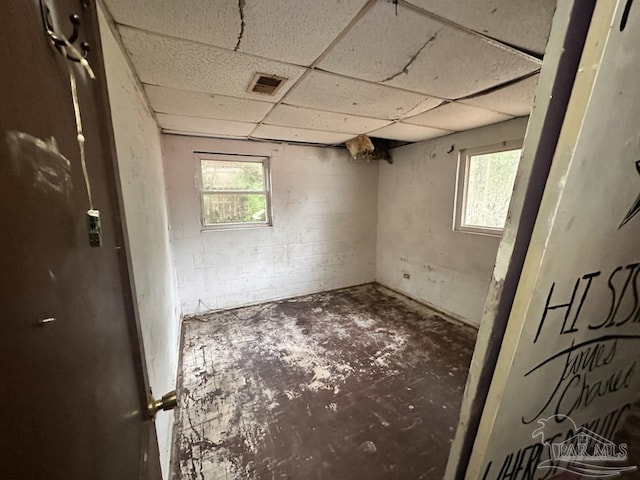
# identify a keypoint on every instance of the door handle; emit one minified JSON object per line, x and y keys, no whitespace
{"x":169,"y":401}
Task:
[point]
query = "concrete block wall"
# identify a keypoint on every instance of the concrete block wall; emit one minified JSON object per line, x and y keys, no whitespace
{"x":323,"y":234}
{"x":139,"y":153}
{"x":448,"y":270}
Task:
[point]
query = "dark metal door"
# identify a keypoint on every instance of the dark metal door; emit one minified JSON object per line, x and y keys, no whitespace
{"x":72,"y":379}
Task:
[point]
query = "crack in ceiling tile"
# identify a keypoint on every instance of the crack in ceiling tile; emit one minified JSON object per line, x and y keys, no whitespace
{"x":405,"y":70}
{"x":242,"y":24}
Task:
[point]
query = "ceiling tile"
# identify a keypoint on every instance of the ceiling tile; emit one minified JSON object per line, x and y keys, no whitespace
{"x":273,"y":132}
{"x":423,"y":55}
{"x":293,"y":31}
{"x":192,"y":20}
{"x":287,"y":115}
{"x":207,"y":126}
{"x":198,"y":104}
{"x":457,"y":117}
{"x":514,"y":100}
{"x":380,"y":43}
{"x":428,"y":104}
{"x":521,"y":23}
{"x":193,"y":66}
{"x":408,"y":133}
{"x":340,"y":94}
{"x":457,"y":64}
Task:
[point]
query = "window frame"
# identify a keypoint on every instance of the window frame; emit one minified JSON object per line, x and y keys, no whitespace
{"x":462,"y":183}
{"x":234,"y":157}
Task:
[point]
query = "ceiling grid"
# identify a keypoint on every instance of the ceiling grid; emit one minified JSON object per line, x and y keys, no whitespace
{"x":352,"y":67}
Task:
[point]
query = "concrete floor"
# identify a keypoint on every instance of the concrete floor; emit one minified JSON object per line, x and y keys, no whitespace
{"x":359,"y":383}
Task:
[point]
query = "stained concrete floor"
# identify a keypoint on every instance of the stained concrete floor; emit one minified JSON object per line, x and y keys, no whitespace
{"x":359,"y":383}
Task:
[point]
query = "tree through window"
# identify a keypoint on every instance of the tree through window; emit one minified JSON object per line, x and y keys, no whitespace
{"x":234,"y":190}
{"x":486,"y":177}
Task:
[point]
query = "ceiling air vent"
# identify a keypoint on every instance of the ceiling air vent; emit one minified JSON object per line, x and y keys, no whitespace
{"x":266,"y":84}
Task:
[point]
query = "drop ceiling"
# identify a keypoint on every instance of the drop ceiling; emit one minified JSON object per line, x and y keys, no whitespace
{"x":406,"y":70}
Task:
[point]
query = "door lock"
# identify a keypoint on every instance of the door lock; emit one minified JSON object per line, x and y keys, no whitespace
{"x":169,"y":401}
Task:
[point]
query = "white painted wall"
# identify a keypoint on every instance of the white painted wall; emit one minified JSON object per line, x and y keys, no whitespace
{"x":139,"y":151}
{"x":448,"y":270}
{"x":323,"y":235}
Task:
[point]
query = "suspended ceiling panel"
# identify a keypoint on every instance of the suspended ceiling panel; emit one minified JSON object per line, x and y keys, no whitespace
{"x":514,"y":100}
{"x":300,"y":135}
{"x":212,"y":22}
{"x":293,"y":31}
{"x":198,"y":104}
{"x":415,"y":52}
{"x":381,"y":43}
{"x":289,"y":116}
{"x":346,"y":95}
{"x":457,"y":117}
{"x":522,"y":23}
{"x":208,"y":126}
{"x":197,"y":60}
{"x":406,"y":132}
{"x":456,"y":64}
{"x":186,"y":65}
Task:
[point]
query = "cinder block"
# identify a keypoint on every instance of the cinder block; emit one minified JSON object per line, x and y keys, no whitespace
{"x":324,"y":215}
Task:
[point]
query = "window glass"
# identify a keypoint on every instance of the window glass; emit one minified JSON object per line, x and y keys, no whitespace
{"x":234,"y":191}
{"x":234,"y":208}
{"x":226,"y":175}
{"x":490,"y":180}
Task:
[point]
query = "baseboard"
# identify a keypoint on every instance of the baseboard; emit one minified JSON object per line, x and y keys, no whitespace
{"x":271,"y":300}
{"x":449,"y":315}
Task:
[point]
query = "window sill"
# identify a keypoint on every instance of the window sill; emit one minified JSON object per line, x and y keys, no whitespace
{"x":231,"y":226}
{"x":480,"y":231}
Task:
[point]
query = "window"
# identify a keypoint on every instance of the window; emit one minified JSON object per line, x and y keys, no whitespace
{"x":234,"y":190}
{"x":485,"y":182}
